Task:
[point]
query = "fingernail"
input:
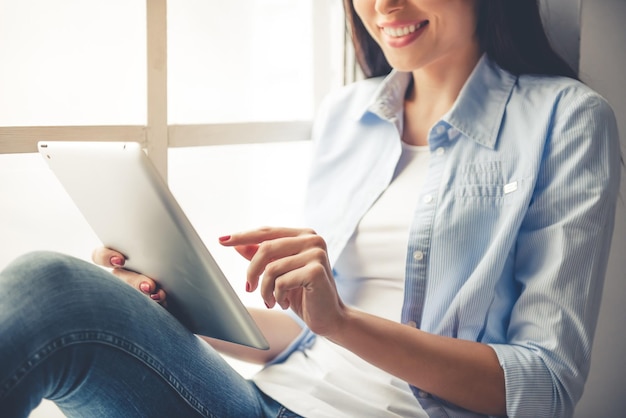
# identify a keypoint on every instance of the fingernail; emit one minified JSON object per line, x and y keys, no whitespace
{"x":266,"y":305}
{"x":247,"y":287}
{"x":155,"y":296}
{"x":117,"y":261}
{"x":224,"y":238}
{"x":145,"y":287}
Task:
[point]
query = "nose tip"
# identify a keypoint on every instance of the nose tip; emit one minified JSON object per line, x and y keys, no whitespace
{"x":388,"y":6}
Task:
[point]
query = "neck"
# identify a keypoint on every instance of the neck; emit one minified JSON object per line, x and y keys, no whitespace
{"x":437,"y":85}
{"x":434,"y":90}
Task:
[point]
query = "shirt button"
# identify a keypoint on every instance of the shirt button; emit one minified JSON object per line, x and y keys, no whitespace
{"x":428,"y":198}
{"x":440,"y":151}
{"x":418,"y":256}
{"x":412,"y":324}
{"x":440,"y":129}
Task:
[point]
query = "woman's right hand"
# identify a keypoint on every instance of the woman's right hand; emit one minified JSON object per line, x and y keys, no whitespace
{"x":114,"y":260}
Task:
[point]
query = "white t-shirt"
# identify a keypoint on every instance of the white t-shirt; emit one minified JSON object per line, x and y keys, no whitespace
{"x":327,"y":380}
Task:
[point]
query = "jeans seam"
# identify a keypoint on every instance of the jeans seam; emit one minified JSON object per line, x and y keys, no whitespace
{"x":283,"y":412}
{"x":112,"y":340}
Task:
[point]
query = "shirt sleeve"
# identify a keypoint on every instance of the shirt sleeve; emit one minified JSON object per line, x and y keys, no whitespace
{"x":561,"y":255}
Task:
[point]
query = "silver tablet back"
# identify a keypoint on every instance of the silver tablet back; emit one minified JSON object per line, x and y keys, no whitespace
{"x":131,"y":210}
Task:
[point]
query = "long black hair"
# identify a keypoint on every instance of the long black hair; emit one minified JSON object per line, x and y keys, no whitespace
{"x":510,"y":32}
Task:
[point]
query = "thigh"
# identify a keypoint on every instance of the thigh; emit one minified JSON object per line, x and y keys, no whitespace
{"x":75,"y":334}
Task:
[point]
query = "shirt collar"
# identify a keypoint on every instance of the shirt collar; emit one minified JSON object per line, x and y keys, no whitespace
{"x":477,"y":113}
{"x":388,"y":100}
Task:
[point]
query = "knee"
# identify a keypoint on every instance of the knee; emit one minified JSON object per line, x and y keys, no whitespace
{"x":29,"y":287}
{"x":47,"y":277}
{"x":51,"y":287}
{"x":39,"y":267}
{"x":37,"y":259}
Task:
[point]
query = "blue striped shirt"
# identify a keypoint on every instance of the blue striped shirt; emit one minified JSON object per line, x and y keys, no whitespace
{"x":509,"y":242}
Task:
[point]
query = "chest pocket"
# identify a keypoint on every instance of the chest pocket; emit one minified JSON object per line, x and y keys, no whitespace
{"x":482,"y":180}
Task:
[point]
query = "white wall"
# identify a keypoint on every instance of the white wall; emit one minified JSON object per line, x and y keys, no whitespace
{"x":602,"y":64}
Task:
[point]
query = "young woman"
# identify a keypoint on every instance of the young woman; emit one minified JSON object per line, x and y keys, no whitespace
{"x":462,"y":207}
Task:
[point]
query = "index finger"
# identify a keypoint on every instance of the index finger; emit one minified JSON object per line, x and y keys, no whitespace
{"x":106,"y":257}
{"x":257,"y":236}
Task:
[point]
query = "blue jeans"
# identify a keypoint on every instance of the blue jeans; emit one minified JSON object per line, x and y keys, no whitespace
{"x":73,"y":333}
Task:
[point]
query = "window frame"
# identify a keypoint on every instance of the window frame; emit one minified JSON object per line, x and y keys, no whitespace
{"x":157,"y":136}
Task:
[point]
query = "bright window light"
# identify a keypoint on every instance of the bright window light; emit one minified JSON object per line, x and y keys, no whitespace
{"x":72,"y":62}
{"x":244,"y":60}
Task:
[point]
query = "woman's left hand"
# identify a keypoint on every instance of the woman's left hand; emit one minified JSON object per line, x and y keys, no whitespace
{"x":295,"y":271}
{"x":115,"y":260}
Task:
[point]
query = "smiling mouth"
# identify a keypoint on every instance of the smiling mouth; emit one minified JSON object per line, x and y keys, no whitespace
{"x":404,"y":30}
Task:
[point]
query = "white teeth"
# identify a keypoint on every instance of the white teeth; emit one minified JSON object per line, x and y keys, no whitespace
{"x":398,"y":32}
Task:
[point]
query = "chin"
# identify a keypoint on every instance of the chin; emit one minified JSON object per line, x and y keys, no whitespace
{"x":404,"y":68}
{"x":404,"y":65}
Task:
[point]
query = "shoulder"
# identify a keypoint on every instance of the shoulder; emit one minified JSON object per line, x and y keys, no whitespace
{"x":564,"y":95}
{"x":342,"y":109}
{"x":352,"y":98}
{"x":578,"y":123}
{"x":566,"y":108}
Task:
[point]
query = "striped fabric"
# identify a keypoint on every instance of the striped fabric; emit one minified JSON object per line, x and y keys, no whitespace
{"x":511,"y":235}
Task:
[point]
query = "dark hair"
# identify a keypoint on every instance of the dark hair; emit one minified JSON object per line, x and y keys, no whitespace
{"x":509,"y":31}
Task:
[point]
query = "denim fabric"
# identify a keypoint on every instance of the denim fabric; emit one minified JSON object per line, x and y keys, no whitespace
{"x":75,"y":334}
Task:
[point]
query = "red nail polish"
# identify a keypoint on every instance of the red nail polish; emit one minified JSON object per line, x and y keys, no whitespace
{"x":266,"y":305}
{"x":247,"y":287}
{"x":224,"y":238}
{"x":155,"y":296}
{"x":116,"y":261}
{"x":145,"y":287}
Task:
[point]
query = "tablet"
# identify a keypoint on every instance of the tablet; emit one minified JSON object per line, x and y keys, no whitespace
{"x":130,"y":208}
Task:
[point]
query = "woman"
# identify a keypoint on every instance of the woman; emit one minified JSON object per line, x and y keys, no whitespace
{"x":462,"y":209}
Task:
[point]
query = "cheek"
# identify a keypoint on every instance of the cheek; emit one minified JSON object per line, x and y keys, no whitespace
{"x":366,"y":13}
{"x":358,"y":6}
{"x":364,"y":10}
